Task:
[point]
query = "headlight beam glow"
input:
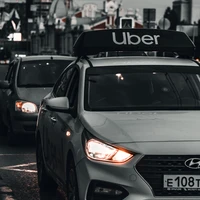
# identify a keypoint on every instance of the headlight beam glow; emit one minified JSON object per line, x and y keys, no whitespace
{"x":99,"y":151}
{"x":26,"y":107}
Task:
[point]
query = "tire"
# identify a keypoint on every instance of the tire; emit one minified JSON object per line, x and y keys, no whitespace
{"x":10,"y":135}
{"x":45,"y":182}
{"x":72,"y":184}
{"x":3,"y":128}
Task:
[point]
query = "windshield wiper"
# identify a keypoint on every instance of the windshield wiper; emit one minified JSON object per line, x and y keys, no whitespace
{"x":189,"y":84}
{"x":91,"y":80}
{"x":142,"y":108}
{"x":179,"y":101}
{"x":35,"y":85}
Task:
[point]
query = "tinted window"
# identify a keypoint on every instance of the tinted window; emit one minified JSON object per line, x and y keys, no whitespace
{"x":11,"y":72}
{"x":72,"y":92}
{"x":126,"y":89}
{"x":63,"y":84}
{"x":42,"y":73}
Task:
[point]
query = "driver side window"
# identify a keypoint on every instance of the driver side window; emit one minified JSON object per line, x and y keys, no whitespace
{"x":11,"y":72}
{"x":72,"y":91}
{"x":62,"y":85}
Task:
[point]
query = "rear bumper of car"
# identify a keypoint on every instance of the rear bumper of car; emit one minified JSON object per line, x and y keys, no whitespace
{"x":121,"y":181}
{"x":23,"y":123}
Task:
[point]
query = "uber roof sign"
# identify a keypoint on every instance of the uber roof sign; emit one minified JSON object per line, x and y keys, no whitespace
{"x":94,"y":42}
{"x":129,"y":39}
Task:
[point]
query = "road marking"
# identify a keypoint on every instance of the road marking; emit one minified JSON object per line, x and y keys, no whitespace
{"x":31,"y":154}
{"x":14,"y":168}
{"x":22,"y":165}
{"x":21,"y":170}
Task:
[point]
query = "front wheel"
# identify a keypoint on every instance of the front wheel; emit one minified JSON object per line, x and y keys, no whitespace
{"x":72,"y":184}
{"x":10,"y":134}
{"x":45,"y":182}
{"x":3,"y":128}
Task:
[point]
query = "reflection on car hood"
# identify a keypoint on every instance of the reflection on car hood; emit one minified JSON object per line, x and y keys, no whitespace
{"x":143,"y":127}
{"x":34,"y":95}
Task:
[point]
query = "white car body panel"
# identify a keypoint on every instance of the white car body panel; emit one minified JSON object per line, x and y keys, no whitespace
{"x":141,"y":132}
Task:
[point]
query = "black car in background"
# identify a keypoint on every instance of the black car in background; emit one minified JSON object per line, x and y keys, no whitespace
{"x":5,"y":58}
{"x":28,"y":80}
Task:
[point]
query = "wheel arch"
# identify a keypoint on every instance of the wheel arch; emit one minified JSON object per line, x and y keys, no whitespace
{"x":70,"y":157}
{"x":37,"y":136}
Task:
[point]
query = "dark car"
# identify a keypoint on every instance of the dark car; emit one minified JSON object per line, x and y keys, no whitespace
{"x":28,"y":80}
{"x":5,"y":57}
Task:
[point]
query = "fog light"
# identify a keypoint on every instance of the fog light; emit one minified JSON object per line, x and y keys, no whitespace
{"x":101,"y":190}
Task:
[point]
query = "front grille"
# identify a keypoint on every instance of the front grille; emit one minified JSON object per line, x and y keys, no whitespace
{"x":153,"y":168}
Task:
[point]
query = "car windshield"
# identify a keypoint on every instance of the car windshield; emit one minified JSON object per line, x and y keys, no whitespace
{"x":40,"y":73}
{"x":142,"y":88}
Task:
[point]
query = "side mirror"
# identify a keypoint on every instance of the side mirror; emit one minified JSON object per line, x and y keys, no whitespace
{"x":4,"y":85}
{"x":59,"y":104}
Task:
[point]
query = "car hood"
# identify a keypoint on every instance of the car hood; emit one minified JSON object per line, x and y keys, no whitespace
{"x":34,"y":95}
{"x":122,"y":127}
{"x":165,"y":132}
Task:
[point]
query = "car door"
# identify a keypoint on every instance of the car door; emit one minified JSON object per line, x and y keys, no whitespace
{"x":43,"y":121}
{"x":50,"y":134}
{"x":6,"y":93}
{"x":64,"y":124}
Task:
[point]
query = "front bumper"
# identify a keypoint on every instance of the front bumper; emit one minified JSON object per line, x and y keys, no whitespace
{"x":122,"y":177}
{"x":24,"y":123}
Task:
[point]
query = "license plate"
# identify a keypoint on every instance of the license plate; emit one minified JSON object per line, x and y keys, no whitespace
{"x":190,"y":182}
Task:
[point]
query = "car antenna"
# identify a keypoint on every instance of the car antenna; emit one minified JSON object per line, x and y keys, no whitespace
{"x":51,"y":57}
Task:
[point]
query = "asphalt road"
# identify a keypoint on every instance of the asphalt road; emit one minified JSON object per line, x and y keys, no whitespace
{"x":18,"y":171}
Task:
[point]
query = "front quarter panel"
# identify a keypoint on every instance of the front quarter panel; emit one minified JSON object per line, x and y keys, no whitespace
{"x":73,"y":143}
{"x":40,"y":118}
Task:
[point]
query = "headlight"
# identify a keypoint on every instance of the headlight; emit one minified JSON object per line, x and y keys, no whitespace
{"x":26,"y":107}
{"x":100,"y":151}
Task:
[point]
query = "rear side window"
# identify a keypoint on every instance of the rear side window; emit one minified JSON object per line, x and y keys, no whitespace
{"x":40,"y":73}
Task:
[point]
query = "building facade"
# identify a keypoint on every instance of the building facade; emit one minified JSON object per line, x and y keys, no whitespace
{"x":13,"y":18}
{"x":183,"y":9}
{"x":63,"y":23}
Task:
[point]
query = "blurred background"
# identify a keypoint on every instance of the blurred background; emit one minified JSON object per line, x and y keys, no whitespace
{"x":52,"y":26}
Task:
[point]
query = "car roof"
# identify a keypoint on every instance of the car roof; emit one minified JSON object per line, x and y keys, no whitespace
{"x":47,"y":57}
{"x":140,"y":60}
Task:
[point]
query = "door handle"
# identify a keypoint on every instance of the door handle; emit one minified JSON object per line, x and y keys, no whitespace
{"x":53,"y":119}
